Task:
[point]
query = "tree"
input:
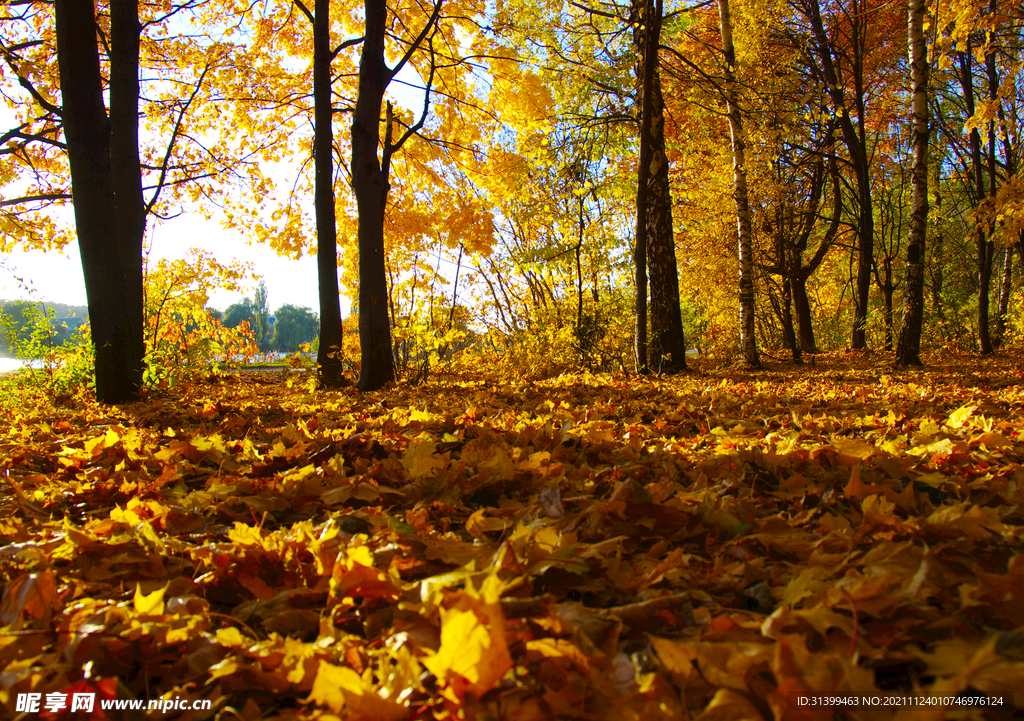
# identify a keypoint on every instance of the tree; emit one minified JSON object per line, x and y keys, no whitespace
{"x":668,"y":342}
{"x":126,"y":166}
{"x":261,"y":312}
{"x":370,"y":183}
{"x":652,"y":24}
{"x":848,"y":111}
{"x":42,"y":163}
{"x":256,"y":312}
{"x":331,"y":330}
{"x":983,"y":243}
{"x":744,"y":232}
{"x":238,"y":312}
{"x":107,"y":256}
{"x":908,"y":347}
{"x":294,"y":325}
{"x":799,"y":195}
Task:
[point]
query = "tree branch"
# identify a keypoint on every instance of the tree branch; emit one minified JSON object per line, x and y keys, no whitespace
{"x":304,"y":9}
{"x":31,"y":198}
{"x":40,"y":100}
{"x":174,"y":136}
{"x":416,"y":43}
{"x":346,"y":44}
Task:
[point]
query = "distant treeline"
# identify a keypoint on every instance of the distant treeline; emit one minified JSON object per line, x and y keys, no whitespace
{"x":65,"y":320}
{"x":293,"y":326}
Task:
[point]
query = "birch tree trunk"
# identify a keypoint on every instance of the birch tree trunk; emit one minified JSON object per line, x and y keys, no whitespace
{"x":748,"y":342}
{"x":908,"y":347}
{"x":1005,"y":289}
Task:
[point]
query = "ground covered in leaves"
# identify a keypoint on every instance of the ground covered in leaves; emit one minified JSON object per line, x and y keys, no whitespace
{"x":843,"y":541}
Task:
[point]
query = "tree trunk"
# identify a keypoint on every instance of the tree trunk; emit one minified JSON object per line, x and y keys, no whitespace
{"x":1005,"y":289}
{"x":329,"y":354}
{"x":859,"y":161}
{"x":87,"y":132}
{"x":908,"y":347}
{"x":748,"y":342}
{"x":993,"y":96}
{"x":938,"y":247}
{"x":371,"y":188}
{"x":981,"y":239}
{"x":666,"y":317}
{"x":802,"y":306}
{"x":887,"y":293}
{"x":788,"y":328}
{"x":668,"y":342}
{"x":652,"y":24}
{"x":126,"y":168}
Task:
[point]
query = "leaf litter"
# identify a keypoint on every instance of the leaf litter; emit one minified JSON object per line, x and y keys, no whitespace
{"x":712,"y":546}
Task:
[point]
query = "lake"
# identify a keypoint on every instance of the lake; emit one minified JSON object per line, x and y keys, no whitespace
{"x":13,"y":364}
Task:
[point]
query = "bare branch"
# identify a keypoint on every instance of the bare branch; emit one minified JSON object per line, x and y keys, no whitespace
{"x":40,"y":100}
{"x":346,"y":44}
{"x":419,"y":39}
{"x":304,"y":9}
{"x":34,"y":198}
{"x":426,"y":104}
{"x":174,"y":136}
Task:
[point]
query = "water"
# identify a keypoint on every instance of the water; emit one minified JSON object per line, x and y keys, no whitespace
{"x":13,"y":364}
{"x":10,"y":364}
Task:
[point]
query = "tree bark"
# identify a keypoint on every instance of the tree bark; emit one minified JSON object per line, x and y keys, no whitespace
{"x":908,"y":347}
{"x":652,"y":25}
{"x":87,"y":132}
{"x":1005,"y":289}
{"x":126,"y":168}
{"x":981,"y":239}
{"x":938,"y":246}
{"x":888,"y":289}
{"x":329,"y":354}
{"x":802,"y":307}
{"x":668,"y":342}
{"x":789,"y":334}
{"x":371,"y":189}
{"x":748,"y":342}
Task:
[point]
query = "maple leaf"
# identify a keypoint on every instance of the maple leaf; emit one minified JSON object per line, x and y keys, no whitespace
{"x":473,"y":655}
{"x":151,"y":604}
{"x":421,"y":459}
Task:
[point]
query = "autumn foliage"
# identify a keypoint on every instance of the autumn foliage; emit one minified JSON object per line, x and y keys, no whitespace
{"x":714,"y":546}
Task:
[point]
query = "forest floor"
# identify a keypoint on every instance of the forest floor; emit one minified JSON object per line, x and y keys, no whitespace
{"x":836,"y":541}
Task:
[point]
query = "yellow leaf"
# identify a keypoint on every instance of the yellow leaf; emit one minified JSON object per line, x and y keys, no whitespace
{"x":420,"y":460}
{"x":852,"y":450}
{"x":338,"y":687}
{"x":94,"y":445}
{"x":473,"y":655}
{"x":151,"y":605}
{"x":231,"y":637}
{"x":958,"y":417}
{"x":245,"y":535}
